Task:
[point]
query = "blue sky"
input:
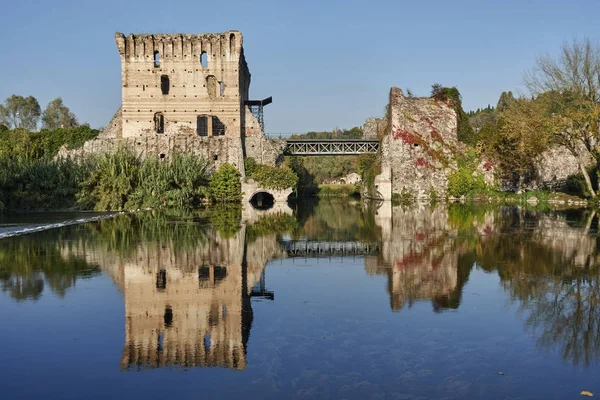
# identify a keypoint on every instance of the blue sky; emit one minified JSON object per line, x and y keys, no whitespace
{"x":326,"y":63}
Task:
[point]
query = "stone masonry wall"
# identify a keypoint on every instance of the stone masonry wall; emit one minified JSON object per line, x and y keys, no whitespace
{"x":264,"y":150}
{"x":372,"y":127}
{"x":114,"y":129}
{"x":216,"y":150}
{"x":151,"y":63}
{"x":418,"y":151}
{"x":556,"y":165}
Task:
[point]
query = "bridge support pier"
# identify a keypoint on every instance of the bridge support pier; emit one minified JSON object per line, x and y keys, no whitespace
{"x":250,"y":189}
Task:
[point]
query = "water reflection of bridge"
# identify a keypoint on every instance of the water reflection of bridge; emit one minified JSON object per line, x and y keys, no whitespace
{"x":320,"y":248}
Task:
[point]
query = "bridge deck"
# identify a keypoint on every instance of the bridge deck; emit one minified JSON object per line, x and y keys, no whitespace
{"x":322,"y":147}
{"x":308,"y":248}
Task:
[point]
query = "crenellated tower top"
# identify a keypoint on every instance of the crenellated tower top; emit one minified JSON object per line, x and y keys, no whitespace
{"x":179,"y":47}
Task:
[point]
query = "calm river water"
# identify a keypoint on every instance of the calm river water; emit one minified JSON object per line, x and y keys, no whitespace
{"x":330,"y":300}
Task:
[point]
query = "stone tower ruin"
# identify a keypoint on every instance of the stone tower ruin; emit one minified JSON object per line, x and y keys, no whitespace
{"x":186,"y":93}
{"x":181,"y":83}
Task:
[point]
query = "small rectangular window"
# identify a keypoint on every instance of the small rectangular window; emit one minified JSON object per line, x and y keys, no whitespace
{"x":202,"y":125}
{"x":165,"y":84}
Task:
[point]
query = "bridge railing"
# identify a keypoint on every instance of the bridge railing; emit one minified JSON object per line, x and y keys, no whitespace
{"x":308,"y":248}
{"x":331,"y":147}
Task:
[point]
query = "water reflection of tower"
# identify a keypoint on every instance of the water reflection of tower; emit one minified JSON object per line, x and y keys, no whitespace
{"x":189,"y":308}
{"x":418,"y":259}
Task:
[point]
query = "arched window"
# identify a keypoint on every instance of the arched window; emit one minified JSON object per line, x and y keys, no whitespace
{"x":218,"y":129}
{"x":231,"y":43}
{"x":159,"y":123}
{"x":202,"y":125}
{"x":204,"y":60}
{"x":156,"y":59}
{"x":221,"y":88}
{"x":164,"y":84}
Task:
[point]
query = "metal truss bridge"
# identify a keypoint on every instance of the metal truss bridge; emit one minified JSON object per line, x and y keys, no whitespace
{"x":310,"y":248}
{"x":329,"y":147}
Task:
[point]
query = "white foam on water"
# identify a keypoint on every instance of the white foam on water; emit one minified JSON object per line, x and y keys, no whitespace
{"x":26,"y":229}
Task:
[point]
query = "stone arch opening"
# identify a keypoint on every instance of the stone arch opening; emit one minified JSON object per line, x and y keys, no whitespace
{"x":231,"y":43}
{"x":262,"y":200}
{"x":159,"y":122}
{"x":204,"y":59}
{"x":156,"y":59}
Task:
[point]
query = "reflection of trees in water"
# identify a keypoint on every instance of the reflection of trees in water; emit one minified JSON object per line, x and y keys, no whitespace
{"x":550,"y":265}
{"x":545,"y":260}
{"x":33,"y":262}
{"x":566,"y":309}
{"x":337,"y":220}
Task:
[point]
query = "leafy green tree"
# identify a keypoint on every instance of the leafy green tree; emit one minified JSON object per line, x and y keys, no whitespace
{"x":478,"y":119}
{"x":570,"y":83}
{"x":274,"y":177}
{"x":57,"y":115}
{"x":505,"y":101}
{"x":20,"y":112}
{"x":225,"y":184}
{"x":517,"y":141}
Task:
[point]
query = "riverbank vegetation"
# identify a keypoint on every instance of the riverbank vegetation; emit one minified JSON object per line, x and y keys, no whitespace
{"x":563,"y":110}
{"x":270,"y":177}
{"x":509,"y":140}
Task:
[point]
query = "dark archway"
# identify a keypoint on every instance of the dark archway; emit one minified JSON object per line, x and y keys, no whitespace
{"x":262,"y":200}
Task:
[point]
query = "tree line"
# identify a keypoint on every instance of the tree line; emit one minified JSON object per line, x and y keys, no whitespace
{"x":20,"y":112}
{"x":562,"y":109}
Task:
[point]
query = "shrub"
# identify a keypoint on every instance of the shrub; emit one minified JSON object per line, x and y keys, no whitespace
{"x":180,"y":183}
{"x":466,"y":180}
{"x":72,"y":138}
{"x":452,"y":97}
{"x":40,"y":184}
{"x":274,"y":178}
{"x":25,"y":145}
{"x":111,"y":182}
{"x":250,"y":165}
{"x":225,"y":184}
{"x":369,"y":166}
